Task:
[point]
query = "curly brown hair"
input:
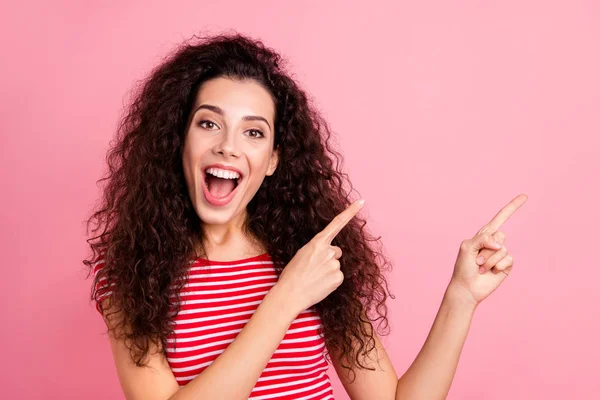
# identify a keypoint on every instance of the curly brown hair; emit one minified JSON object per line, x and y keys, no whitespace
{"x":146,"y":227}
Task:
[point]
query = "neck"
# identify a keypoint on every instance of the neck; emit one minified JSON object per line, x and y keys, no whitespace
{"x":229,"y":240}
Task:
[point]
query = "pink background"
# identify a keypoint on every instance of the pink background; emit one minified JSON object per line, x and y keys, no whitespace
{"x":467,"y":105}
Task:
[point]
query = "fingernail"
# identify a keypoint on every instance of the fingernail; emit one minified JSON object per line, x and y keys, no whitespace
{"x":361,"y":202}
{"x":480,"y":260}
{"x":481,"y":270}
{"x":498,"y":245}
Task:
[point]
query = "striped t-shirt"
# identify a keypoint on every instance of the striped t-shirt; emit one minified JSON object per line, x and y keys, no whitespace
{"x":216,"y":303}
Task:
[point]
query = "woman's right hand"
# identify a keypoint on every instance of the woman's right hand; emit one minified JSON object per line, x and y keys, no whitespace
{"x":314,"y":271}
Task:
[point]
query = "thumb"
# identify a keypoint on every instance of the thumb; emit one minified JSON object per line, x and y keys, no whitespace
{"x":484,"y":241}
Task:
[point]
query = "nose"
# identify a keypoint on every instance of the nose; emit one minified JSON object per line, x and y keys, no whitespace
{"x":228,"y":145}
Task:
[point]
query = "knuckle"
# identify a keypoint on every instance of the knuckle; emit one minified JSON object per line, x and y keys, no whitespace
{"x":318,"y":242}
{"x":499,"y":235}
{"x":339,"y":251}
{"x":319,"y":237}
{"x":339,"y":278}
{"x":464,"y":245}
{"x":309,"y":248}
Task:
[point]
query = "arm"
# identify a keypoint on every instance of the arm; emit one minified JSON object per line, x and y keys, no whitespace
{"x":368,"y":385}
{"x":245,"y":359}
{"x":431,"y":373}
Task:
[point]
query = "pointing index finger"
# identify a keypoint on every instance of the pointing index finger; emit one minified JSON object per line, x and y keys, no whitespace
{"x":340,"y":221}
{"x":504,"y":214}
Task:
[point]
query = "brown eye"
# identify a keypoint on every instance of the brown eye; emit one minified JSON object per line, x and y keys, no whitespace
{"x":207,"y":124}
{"x":257,"y":132}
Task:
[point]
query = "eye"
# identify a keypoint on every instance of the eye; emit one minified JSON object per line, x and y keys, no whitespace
{"x":207,"y":124}
{"x":256,"y":132}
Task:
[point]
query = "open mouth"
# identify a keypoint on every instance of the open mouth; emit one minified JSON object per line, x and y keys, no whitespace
{"x":220,"y":185}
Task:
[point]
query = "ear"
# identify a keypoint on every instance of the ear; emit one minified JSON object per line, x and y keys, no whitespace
{"x":273,"y":162}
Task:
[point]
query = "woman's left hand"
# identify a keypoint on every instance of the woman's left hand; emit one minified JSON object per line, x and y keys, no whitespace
{"x":481,"y":266}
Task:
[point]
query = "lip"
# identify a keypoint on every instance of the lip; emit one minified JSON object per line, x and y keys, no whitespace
{"x":225,"y":200}
{"x":223,"y":166}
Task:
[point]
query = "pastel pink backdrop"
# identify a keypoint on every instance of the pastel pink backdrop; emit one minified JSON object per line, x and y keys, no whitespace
{"x":444,"y":110}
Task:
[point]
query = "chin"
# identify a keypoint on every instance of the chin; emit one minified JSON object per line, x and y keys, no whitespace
{"x":212,"y":215}
{"x":215,"y":218}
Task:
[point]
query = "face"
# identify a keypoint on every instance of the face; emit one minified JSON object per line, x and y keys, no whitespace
{"x":228,"y":147}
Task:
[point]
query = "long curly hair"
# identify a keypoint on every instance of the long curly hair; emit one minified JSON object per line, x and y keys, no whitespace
{"x":147,"y":231}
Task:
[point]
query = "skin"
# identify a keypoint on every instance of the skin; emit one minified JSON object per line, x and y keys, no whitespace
{"x":310,"y":276}
{"x":218,"y":133}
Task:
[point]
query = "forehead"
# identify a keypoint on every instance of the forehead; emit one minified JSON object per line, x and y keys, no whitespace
{"x":237,"y":97}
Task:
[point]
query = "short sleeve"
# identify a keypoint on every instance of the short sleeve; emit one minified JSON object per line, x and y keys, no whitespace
{"x":101,"y":287}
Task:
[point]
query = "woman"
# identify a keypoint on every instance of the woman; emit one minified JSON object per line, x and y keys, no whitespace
{"x":230,"y":262}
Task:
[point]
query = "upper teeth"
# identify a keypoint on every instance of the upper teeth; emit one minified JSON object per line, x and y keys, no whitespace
{"x":223,"y":173}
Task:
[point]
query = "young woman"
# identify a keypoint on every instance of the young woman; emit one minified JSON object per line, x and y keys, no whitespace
{"x":229,"y":261}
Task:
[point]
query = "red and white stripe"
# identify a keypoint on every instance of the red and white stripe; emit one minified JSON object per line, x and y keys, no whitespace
{"x":216,"y":303}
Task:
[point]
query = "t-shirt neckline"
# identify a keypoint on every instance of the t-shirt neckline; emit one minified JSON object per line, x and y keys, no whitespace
{"x":247,"y":259}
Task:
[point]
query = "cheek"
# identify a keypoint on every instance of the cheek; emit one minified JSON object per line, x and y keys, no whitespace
{"x":259,"y":163}
{"x":186,"y":159}
{"x":191,"y":156}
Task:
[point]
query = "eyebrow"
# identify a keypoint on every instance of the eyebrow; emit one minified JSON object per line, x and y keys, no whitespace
{"x":220,"y":111}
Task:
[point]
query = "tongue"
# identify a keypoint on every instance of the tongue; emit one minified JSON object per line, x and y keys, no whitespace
{"x":220,"y":187}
